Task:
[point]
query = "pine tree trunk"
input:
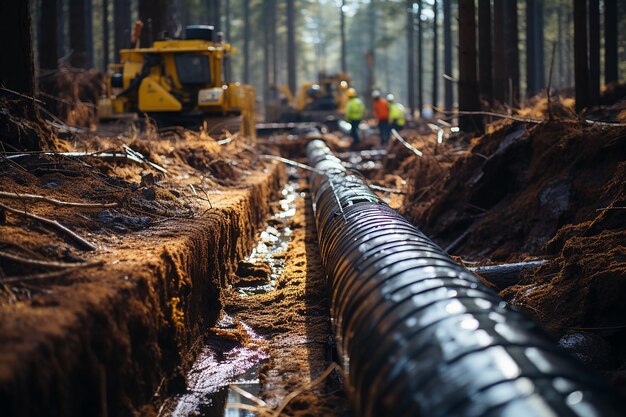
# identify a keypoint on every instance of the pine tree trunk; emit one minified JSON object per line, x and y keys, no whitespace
{"x":411,"y":55}
{"x":560,"y":47}
{"x":89,"y":32}
{"x":274,"y":42}
{"x":371,"y":53}
{"x":420,"y":64}
{"x":78,"y":34}
{"x":15,"y":24}
{"x":594,"y":51}
{"x":267,"y":5}
{"x":48,"y":35}
{"x":500,"y":71}
{"x":485,"y":76}
{"x":121,"y":22}
{"x":342,"y":16}
{"x":246,"y":43}
{"x":531,"y":44}
{"x":436,"y":77}
{"x":447,"y":54}
{"x":291,"y":47}
{"x":468,"y":79}
{"x":512,"y":51}
{"x":581,"y":69}
{"x":610,"y":42}
{"x":105,"y":33}
{"x":157,"y":20}
{"x":535,"y":65}
{"x":568,"y":49}
{"x":61,"y":26}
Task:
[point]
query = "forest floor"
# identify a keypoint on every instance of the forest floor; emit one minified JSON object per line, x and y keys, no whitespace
{"x":191,"y":263}
{"x":546,"y":189}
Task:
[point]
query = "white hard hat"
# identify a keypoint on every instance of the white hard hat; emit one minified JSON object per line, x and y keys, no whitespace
{"x":390,"y":97}
{"x":375,"y":94}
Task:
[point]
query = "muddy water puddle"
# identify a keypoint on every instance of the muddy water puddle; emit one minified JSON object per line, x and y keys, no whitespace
{"x":267,"y":260}
{"x":229,"y":362}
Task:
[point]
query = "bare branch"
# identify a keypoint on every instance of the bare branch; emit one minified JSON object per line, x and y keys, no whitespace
{"x":34,"y":197}
{"x":82,"y":242}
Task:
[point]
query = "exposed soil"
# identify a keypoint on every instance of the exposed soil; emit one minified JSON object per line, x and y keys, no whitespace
{"x":553,"y":190}
{"x":105,"y":339}
{"x":294,"y":320}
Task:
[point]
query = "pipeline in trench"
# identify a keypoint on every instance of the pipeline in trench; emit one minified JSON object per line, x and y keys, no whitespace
{"x":418,"y":334}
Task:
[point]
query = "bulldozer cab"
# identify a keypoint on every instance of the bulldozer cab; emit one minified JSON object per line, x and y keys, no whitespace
{"x":181,"y":81}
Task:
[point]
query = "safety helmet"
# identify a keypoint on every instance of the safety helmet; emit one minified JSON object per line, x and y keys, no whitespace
{"x":390,"y":98}
{"x":375,"y":94}
{"x":351,"y":92}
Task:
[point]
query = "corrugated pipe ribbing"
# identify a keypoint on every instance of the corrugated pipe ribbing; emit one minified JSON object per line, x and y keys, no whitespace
{"x":418,"y":334}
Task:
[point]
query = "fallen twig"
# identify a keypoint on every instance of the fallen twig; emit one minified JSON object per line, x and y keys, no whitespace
{"x":34,"y":197}
{"x":35,"y":262}
{"x":307,"y":387}
{"x":406,"y":144}
{"x":290,"y":162}
{"x":494,"y":114}
{"x":84,"y":243}
{"x":386,"y":190}
{"x":54,"y":274}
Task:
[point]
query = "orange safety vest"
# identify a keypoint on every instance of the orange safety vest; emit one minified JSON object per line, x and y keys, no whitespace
{"x":381,"y":109}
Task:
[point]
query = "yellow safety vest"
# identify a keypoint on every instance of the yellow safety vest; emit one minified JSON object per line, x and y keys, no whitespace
{"x":355,"y":110}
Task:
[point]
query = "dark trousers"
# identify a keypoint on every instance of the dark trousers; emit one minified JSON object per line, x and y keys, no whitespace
{"x":385,"y":131}
{"x":354,"y":131}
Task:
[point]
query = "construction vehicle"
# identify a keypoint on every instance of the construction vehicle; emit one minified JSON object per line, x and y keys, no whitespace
{"x":322,"y":101}
{"x":181,"y":82}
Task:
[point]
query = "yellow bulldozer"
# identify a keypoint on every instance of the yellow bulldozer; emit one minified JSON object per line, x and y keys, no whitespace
{"x":181,"y":82}
{"x":322,"y":101}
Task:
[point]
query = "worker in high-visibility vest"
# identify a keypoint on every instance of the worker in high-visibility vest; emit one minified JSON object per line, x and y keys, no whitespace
{"x":381,"y":114}
{"x":396,"y":113}
{"x":355,"y":110}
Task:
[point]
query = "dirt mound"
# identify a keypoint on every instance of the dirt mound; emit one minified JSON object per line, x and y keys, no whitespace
{"x":583,"y":289}
{"x":517,"y":186}
{"x":72,"y":94}
{"x":82,"y":330}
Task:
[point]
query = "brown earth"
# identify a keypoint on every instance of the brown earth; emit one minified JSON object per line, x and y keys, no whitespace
{"x":105,"y":339}
{"x":294,"y":319}
{"x":553,"y":190}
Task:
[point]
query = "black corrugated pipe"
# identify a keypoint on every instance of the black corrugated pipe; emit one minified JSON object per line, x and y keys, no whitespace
{"x":418,"y":334}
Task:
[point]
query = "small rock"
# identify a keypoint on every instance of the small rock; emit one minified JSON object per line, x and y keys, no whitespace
{"x":149,"y":193}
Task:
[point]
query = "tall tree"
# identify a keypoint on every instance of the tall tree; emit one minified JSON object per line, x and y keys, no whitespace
{"x":447,"y":54}
{"x":291,"y":46}
{"x":484,"y":50}
{"x":215,"y":14}
{"x":420,"y":64}
{"x":560,"y":45}
{"x":581,"y":68}
{"x":342,"y":23}
{"x":435,"y":99}
{"x":411,"y":55}
{"x":157,"y":18}
{"x":594,"y":50}
{"x":500,"y":71}
{"x":512,"y":49}
{"x":48,"y":34}
{"x":468,"y":79}
{"x":78,"y":33}
{"x":610,"y":41}
{"x":121,"y":23}
{"x":15,"y":24}
{"x":371,"y":49}
{"x":246,"y":42}
{"x":105,"y":33}
{"x":535,"y":69}
{"x":267,"y":5}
